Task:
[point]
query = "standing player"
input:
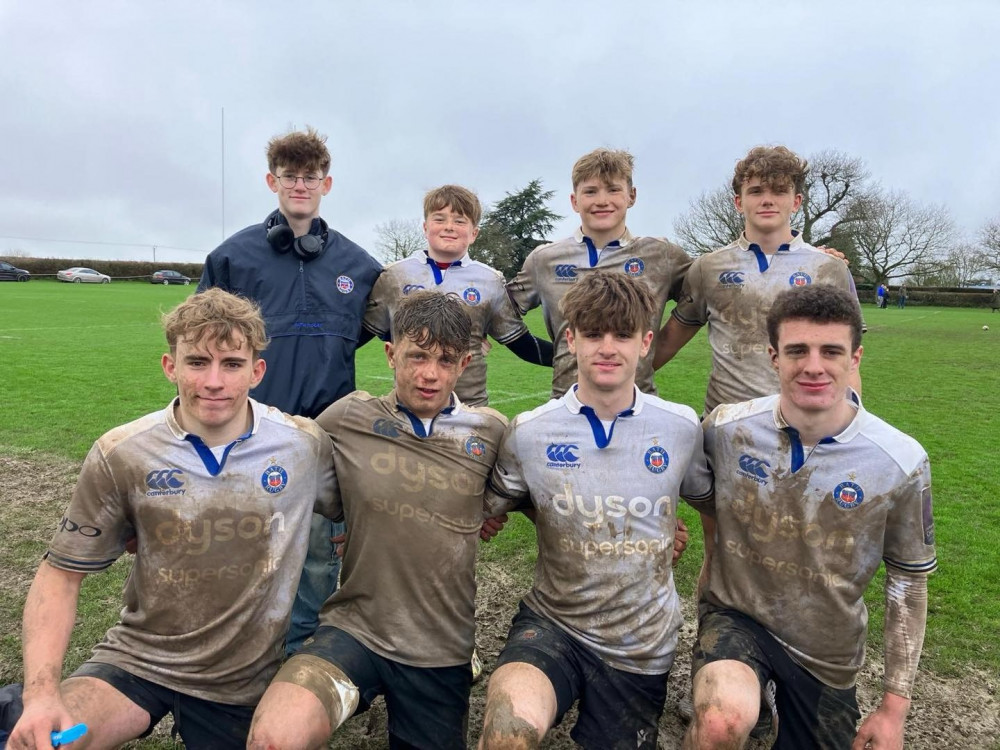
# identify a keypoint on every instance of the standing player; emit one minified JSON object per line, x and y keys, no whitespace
{"x":602,"y":194}
{"x":411,"y":469}
{"x":217,"y":490}
{"x":451,"y":223}
{"x":312,"y":285}
{"x":602,"y":469}
{"x":813,"y":492}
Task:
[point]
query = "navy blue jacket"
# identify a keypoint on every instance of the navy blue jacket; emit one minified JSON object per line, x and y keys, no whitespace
{"x":313,"y":312}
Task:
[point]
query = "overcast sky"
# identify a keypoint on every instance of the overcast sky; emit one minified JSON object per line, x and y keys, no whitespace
{"x":112,"y":111}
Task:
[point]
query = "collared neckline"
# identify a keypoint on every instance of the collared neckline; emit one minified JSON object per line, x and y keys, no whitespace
{"x":762,"y":260}
{"x":594,"y":252}
{"x":212,"y":465}
{"x":438,"y":271}
{"x":454,"y":407}
{"x":602,"y":438}
{"x":844,"y":436}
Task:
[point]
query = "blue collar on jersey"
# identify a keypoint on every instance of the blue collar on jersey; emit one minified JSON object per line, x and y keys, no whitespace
{"x":603,"y":439}
{"x":592,"y":250}
{"x":762,"y":263}
{"x":417,"y":423}
{"x":206,"y":455}
{"x":795,"y":439}
{"x":438,"y":274}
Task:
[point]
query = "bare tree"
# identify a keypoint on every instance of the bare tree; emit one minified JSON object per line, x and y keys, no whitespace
{"x":834,"y":184}
{"x":989,"y":240}
{"x":895,"y":236}
{"x":399,"y":238}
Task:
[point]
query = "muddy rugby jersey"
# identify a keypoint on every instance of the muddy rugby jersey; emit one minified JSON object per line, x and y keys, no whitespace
{"x":550,"y":270}
{"x":606,"y":500}
{"x":479,"y":287}
{"x":412,"y":498}
{"x":732,"y":290}
{"x":801,"y":531}
{"x":220,"y":546}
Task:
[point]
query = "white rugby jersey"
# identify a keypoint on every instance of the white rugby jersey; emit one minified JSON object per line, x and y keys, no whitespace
{"x":413,"y":504}
{"x":801,"y":532}
{"x":550,"y":270}
{"x":480,"y":288}
{"x":606,"y":511}
{"x":732,"y":289}
{"x":220,"y":547}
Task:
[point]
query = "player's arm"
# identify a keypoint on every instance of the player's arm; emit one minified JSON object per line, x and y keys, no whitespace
{"x":49,"y":615}
{"x":532,"y":349}
{"x":905,"y":622}
{"x":672,"y":338}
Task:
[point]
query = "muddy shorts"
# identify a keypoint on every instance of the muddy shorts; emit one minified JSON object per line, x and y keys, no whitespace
{"x":200,"y":723}
{"x":428,"y":706}
{"x":618,"y":709}
{"x":810,"y":713}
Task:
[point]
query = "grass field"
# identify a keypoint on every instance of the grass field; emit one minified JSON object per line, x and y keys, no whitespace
{"x":76,"y":360}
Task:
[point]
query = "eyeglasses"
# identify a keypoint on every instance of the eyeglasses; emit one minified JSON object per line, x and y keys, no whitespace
{"x":289,"y":181}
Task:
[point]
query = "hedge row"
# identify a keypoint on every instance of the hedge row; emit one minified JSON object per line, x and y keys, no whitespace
{"x":116,"y":269}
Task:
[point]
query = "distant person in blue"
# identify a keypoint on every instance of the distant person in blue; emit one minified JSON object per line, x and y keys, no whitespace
{"x":880,"y":295}
{"x":312,"y":285}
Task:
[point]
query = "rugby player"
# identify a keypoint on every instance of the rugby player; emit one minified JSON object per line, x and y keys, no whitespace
{"x":602,"y":195}
{"x":451,"y":224}
{"x":217,"y":490}
{"x":411,"y":470}
{"x":601,"y":468}
{"x":312,"y":285}
{"x":812,"y":494}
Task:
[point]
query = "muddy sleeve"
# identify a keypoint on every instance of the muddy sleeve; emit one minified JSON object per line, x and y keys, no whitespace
{"x":506,"y":489}
{"x":698,"y":486}
{"x":328,"y":501}
{"x":377,"y":318}
{"x":905,"y":621}
{"x":909,"y":531}
{"x":522,"y":289}
{"x":691,"y":309}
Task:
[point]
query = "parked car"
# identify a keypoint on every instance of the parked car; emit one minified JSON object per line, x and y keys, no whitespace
{"x":169,"y":277}
{"x":87,"y":275}
{"x":13,"y":273}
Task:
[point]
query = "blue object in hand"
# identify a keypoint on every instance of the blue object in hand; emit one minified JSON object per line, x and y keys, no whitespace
{"x":68,"y":735}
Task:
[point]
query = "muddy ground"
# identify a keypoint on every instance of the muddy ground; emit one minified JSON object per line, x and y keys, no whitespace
{"x":947,"y":712}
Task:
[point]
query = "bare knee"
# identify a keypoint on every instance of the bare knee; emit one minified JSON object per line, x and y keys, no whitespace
{"x":726,"y":698}
{"x":520,"y":708}
{"x":718,"y":728}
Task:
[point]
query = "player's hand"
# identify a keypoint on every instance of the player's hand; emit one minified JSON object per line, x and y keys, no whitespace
{"x":883,"y":730}
{"x":340,"y":540}
{"x":491,"y":527}
{"x":834,"y":253}
{"x":680,"y":540}
{"x":42,"y":716}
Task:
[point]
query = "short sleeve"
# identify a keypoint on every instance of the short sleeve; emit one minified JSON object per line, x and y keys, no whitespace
{"x":506,"y":489}
{"x":523,"y":289}
{"x":909,"y":530}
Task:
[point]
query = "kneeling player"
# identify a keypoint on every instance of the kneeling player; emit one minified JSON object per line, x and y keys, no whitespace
{"x":411,"y":470}
{"x":813,"y":493}
{"x":602,"y":468}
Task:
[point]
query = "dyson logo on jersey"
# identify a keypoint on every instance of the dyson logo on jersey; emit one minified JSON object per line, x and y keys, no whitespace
{"x":765,"y":524}
{"x":197,"y":536}
{"x":599,"y":507}
{"x":417,"y":474}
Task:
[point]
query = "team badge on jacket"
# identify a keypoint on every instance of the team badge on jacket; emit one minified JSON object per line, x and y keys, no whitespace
{"x":274,"y":479}
{"x":345,"y":284}
{"x":848,"y":495}
{"x":657,"y":459}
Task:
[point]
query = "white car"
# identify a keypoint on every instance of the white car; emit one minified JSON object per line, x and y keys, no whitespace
{"x":88,"y":275}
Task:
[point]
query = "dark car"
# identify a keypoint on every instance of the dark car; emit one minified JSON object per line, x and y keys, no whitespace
{"x":13,"y":273}
{"x":169,"y":277}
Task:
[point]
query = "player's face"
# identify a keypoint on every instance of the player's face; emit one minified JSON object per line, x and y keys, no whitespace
{"x":425,"y":378}
{"x":607,"y":360}
{"x":299,"y":202}
{"x":765,"y":209}
{"x":449,"y":234}
{"x":213,"y":384}
{"x":602,"y":206}
{"x":814,"y":363}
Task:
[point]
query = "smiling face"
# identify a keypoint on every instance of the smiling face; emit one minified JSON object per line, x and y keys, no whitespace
{"x":425,"y":376}
{"x":213,"y":384}
{"x":766,"y":209}
{"x":299,"y":203}
{"x":815,"y":362}
{"x":449,"y":234}
{"x":602,"y":206}
{"x":607,"y":360}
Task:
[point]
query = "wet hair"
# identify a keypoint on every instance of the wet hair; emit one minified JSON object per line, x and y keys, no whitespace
{"x":604,"y":164}
{"x":299,"y":151}
{"x":608,"y":301}
{"x":459,"y":199}
{"x":817,"y":303}
{"x":216,"y":315}
{"x":433,"y":318}
{"x":777,"y":167}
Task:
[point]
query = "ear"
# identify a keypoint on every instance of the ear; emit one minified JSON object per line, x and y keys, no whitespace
{"x":259,"y":366}
{"x":631,"y":197}
{"x":647,"y":341}
{"x":325,"y":186}
{"x":738,"y":202}
{"x":272,"y":182}
{"x":773,"y":354}
{"x":856,"y":358}
{"x":389,"y":355}
{"x":169,"y":367}
{"x":464,"y":362}
{"x":473,"y":234}
{"x":797,"y":203}
{"x":572,"y":202}
{"x":570,"y":341}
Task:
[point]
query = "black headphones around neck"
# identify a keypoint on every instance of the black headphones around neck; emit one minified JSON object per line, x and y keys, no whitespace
{"x":282,"y":239}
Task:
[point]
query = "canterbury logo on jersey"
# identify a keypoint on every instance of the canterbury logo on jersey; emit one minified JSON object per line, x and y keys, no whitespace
{"x":165,"y":482}
{"x":385,"y":427}
{"x":753,"y":468}
{"x":562,"y":455}
{"x":411,"y":288}
{"x":566,"y":271}
{"x":732,"y":278}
